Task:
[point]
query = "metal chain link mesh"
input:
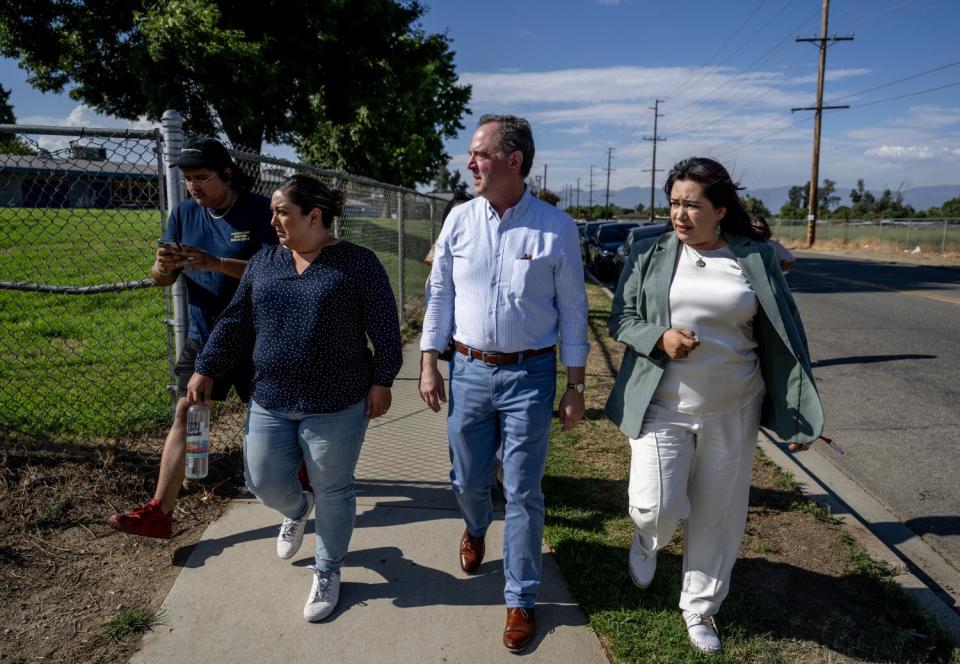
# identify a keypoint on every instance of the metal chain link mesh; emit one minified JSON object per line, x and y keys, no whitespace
{"x":86,"y":348}
{"x":85,"y":353}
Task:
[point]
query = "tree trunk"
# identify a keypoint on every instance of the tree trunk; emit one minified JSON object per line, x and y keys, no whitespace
{"x":245,"y":137}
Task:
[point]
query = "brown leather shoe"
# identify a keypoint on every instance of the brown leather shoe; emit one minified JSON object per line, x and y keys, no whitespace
{"x":471,"y":552}
{"x":519,"y":630}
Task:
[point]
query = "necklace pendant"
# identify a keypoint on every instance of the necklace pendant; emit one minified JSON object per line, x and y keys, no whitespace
{"x":700,"y":263}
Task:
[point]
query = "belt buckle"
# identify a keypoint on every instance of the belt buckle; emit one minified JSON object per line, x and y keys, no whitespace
{"x":484,"y":354}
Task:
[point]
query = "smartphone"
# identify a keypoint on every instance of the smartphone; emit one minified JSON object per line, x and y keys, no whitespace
{"x":173,"y":245}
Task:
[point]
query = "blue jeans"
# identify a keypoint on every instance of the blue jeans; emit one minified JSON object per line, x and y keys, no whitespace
{"x":510,"y":407}
{"x":329,"y":443}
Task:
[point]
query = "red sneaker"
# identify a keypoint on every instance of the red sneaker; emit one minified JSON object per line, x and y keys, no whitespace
{"x":302,"y":476}
{"x":146,"y":521}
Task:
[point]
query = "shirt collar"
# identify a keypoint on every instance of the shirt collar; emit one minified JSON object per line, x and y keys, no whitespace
{"x":520,"y":207}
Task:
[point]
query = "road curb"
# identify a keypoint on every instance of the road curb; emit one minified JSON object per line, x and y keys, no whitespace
{"x":850,"y":505}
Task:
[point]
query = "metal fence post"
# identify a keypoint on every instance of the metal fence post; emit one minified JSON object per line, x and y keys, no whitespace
{"x":943,"y":242}
{"x":172,"y":123}
{"x":433,"y":217}
{"x":401,"y":268}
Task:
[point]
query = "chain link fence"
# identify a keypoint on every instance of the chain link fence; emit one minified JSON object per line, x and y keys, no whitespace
{"x":87,"y":341}
{"x":919,"y":236}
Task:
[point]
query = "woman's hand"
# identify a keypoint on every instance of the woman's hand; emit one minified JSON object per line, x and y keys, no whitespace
{"x":379,"y":399}
{"x":199,"y":389}
{"x":678,"y":342}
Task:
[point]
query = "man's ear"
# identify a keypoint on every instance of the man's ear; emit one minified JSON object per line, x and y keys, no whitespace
{"x":516,"y":160}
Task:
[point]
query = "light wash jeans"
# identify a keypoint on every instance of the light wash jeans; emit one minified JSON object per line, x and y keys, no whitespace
{"x":510,"y":407}
{"x":273,"y":445}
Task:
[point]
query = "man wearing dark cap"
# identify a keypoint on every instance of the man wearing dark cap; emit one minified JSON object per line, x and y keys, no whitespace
{"x":209,"y":238}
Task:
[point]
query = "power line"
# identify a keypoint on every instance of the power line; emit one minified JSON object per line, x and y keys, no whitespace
{"x":910,"y":94}
{"x":899,"y":80}
{"x":751,"y":65}
{"x":717,"y":52}
{"x":653,"y":166}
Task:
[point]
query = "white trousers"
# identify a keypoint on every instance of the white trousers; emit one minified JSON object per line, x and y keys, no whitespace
{"x":695,"y":468}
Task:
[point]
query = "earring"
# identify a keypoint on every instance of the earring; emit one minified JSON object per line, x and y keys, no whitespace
{"x":717,"y":228}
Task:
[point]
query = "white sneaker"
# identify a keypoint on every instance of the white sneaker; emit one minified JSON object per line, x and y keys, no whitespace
{"x":324,"y":595}
{"x":642,"y":567}
{"x":291,"y":531}
{"x":702,"y":631}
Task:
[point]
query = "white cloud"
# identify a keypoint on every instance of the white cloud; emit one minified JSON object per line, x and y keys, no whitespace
{"x":627,"y":83}
{"x":928,"y":116}
{"x":80,"y":116}
{"x":607,"y":3}
{"x":832,"y":75}
{"x":902,"y":152}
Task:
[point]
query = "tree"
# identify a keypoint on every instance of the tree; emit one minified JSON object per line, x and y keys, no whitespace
{"x":356,"y":85}
{"x":826,"y":197}
{"x":447,"y":181}
{"x":6,"y":110}
{"x":548,"y":196}
{"x":755,"y":207}
{"x":799,"y":196}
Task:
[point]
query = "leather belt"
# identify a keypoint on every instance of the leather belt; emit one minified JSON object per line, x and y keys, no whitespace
{"x":499,"y":358}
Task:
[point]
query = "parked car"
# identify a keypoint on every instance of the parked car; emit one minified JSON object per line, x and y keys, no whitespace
{"x":589,"y":235}
{"x":609,"y":238}
{"x":638,"y":233}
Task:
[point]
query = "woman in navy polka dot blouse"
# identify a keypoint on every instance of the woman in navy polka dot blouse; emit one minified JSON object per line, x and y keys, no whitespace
{"x":306,"y":310}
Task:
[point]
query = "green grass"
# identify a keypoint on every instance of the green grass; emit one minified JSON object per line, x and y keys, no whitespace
{"x":97,"y":365}
{"x":80,"y":364}
{"x":855,"y":611}
{"x":131,"y":621}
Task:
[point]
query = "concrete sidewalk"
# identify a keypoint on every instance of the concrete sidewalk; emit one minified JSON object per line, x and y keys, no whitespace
{"x":403,"y":596}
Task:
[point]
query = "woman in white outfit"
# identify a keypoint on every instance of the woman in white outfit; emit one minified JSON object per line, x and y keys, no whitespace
{"x":714,"y":347}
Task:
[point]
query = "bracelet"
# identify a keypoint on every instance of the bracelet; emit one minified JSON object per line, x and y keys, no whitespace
{"x":221,"y":262}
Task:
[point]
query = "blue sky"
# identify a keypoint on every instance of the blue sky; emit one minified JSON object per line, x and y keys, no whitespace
{"x":585,"y":72}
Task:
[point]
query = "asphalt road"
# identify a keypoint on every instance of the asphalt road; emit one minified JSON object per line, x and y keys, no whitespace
{"x":885,"y":344}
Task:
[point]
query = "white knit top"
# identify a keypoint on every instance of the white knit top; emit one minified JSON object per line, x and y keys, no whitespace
{"x":718,"y":304}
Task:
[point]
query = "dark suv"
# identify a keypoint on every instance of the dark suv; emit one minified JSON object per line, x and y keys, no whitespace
{"x":609,"y":238}
{"x":638,"y":233}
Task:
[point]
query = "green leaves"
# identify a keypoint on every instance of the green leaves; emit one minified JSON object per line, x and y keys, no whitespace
{"x":355,"y":85}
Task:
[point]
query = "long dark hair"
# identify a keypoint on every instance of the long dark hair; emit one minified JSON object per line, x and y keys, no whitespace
{"x":458,"y":198}
{"x":309,"y":193}
{"x":720,"y":190}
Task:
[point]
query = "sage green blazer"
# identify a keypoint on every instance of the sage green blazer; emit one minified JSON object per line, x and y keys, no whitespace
{"x":641,"y":314}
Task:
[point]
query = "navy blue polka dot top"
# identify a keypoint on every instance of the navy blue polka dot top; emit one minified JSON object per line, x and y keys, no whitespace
{"x":308,"y":332}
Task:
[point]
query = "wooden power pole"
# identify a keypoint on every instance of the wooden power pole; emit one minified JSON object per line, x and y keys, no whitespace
{"x":608,"y":169}
{"x":653,"y":166}
{"x":823,"y":41}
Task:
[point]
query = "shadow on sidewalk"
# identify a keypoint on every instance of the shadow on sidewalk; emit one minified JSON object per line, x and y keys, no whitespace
{"x":410,"y":585}
{"x":414,"y":502}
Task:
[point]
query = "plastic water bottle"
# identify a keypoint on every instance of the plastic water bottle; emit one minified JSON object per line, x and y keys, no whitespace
{"x":198,"y":441}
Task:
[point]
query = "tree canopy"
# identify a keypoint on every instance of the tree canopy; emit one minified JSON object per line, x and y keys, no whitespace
{"x":354,"y":85}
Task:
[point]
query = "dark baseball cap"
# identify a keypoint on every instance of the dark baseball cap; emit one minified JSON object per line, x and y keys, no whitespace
{"x":204,"y":152}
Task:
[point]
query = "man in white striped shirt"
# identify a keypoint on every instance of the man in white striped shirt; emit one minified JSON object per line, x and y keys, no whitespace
{"x":506,"y":286}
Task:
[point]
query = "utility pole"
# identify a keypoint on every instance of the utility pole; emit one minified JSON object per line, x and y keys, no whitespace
{"x":544,"y":177}
{"x":578,"y":193}
{"x":653,"y":166}
{"x":590,"y":200}
{"x":823,"y":41}
{"x":608,"y":170}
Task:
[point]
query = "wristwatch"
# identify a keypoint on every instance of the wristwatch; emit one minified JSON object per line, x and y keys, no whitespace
{"x":579,"y":387}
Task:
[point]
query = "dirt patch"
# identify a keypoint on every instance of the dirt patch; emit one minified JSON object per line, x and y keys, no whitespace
{"x":63,"y":571}
{"x":880,"y":251}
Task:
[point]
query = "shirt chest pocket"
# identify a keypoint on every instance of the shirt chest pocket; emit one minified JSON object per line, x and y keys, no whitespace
{"x":532,"y":277}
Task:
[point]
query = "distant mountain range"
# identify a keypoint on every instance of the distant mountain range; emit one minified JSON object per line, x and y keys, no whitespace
{"x":921,"y":198}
